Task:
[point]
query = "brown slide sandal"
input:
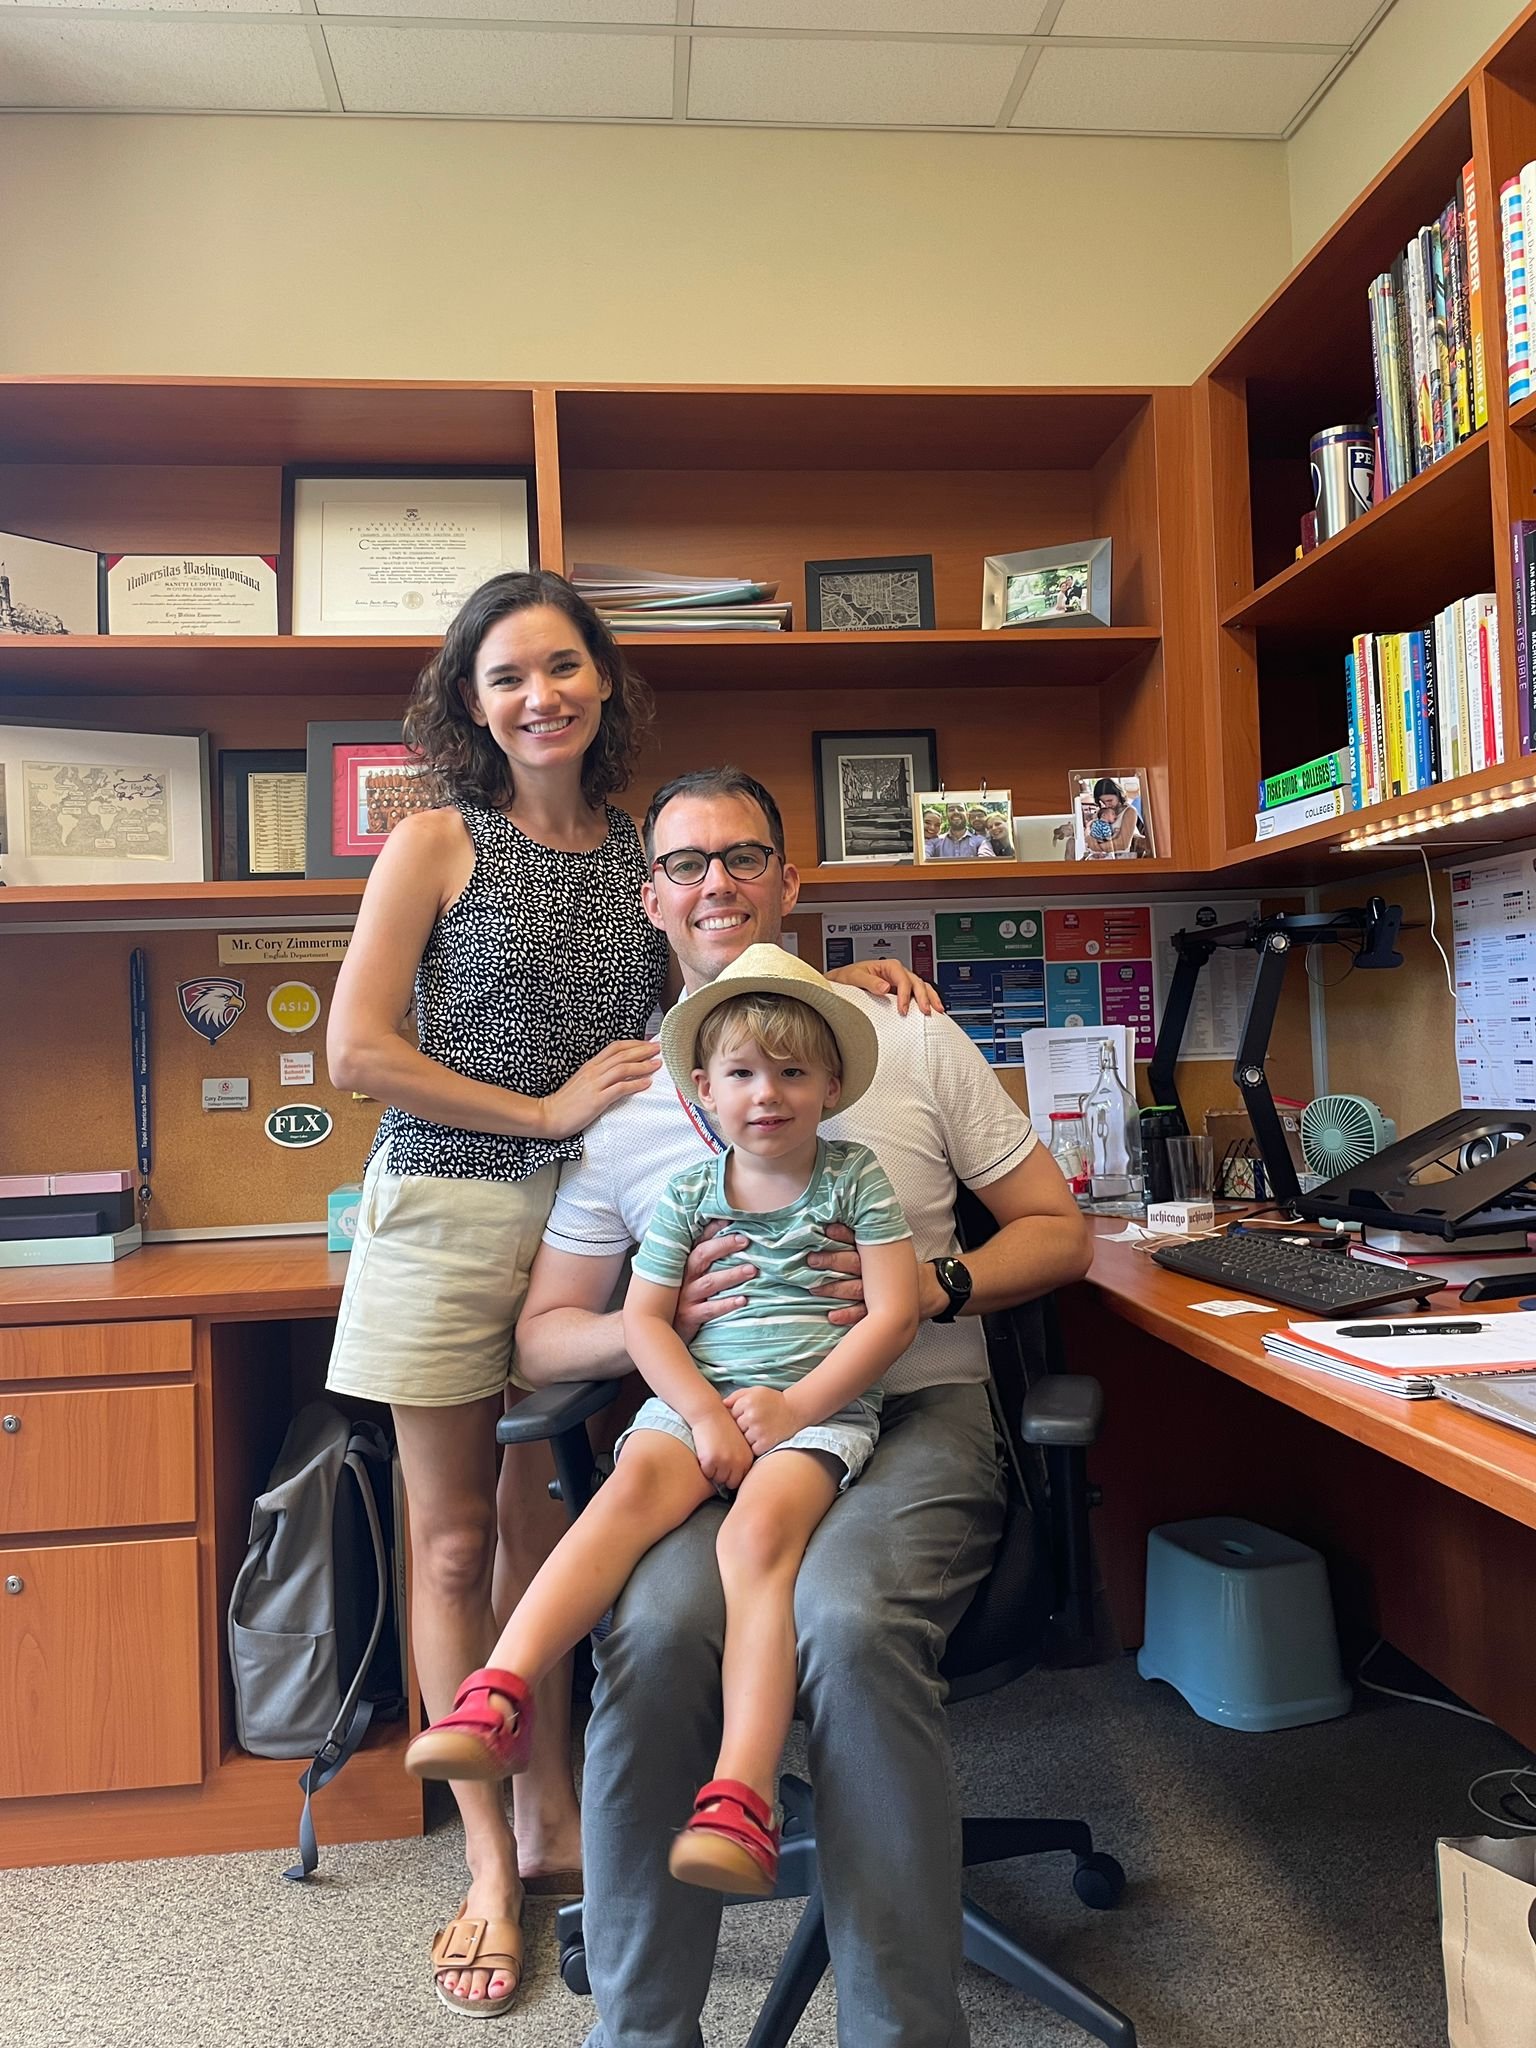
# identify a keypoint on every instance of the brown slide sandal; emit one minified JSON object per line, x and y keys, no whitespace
{"x":466,"y":1944}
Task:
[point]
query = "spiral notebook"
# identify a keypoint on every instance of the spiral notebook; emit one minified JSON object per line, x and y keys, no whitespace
{"x":1410,"y":1366}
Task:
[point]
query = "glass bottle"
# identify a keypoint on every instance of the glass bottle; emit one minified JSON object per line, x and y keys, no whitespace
{"x":1114,"y":1134}
{"x":1069,"y":1148}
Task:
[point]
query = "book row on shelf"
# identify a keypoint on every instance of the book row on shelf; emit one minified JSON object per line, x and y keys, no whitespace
{"x":1428,"y":346}
{"x":1517,"y":211}
{"x":1424,"y":706}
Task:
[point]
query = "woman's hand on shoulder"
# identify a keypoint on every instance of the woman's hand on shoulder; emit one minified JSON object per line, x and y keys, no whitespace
{"x":890,"y":978}
{"x":623,"y":1068}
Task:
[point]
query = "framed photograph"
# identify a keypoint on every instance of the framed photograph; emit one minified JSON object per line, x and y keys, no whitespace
{"x":360,"y":780}
{"x":963,"y":824}
{"x":1044,"y":838}
{"x":46,"y":588}
{"x":261,"y":815}
{"x":1110,"y":816}
{"x":1065,"y":586}
{"x":84,"y":807}
{"x":189,"y":594}
{"x":865,"y":782}
{"x":398,"y":553}
{"x":885,"y":594}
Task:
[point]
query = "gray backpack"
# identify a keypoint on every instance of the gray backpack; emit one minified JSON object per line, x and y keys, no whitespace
{"x":313,"y":1635}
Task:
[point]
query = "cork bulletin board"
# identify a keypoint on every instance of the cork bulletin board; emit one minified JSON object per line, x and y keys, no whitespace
{"x":65,"y":1100}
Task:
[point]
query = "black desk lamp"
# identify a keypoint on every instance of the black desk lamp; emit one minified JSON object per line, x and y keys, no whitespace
{"x":1372,"y":927}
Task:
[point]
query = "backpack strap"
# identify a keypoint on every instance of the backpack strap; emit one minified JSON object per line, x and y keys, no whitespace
{"x":346,"y":1732}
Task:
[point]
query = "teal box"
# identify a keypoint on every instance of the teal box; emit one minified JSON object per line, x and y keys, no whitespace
{"x":341,"y":1218}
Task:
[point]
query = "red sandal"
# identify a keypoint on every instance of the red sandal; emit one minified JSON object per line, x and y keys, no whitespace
{"x":474,"y":1741}
{"x":730,"y":1843}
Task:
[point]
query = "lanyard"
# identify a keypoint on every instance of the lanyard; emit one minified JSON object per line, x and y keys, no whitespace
{"x":139,"y":1065}
{"x":700,"y":1122}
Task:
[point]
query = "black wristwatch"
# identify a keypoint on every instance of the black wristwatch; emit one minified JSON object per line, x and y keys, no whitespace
{"x":955,"y":1279}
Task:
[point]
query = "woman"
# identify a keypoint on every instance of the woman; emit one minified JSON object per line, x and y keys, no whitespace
{"x":1114,"y":828}
{"x":514,"y":909}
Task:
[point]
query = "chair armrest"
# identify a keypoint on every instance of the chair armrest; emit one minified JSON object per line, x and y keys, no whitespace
{"x":553,"y":1410}
{"x":1063,"y":1408}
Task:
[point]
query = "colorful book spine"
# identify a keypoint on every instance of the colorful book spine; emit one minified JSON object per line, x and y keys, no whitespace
{"x":1525,"y":625}
{"x":1394,"y":469}
{"x":1517,"y":323}
{"x":1328,"y":771}
{"x":1356,"y":747}
{"x":1476,"y":342}
{"x":1461,"y":714}
{"x":1418,"y":702}
{"x":1378,"y":717}
{"x":1429,"y":705}
{"x":1453,"y":237}
{"x":1418,"y":356}
{"x":1432,"y":264}
{"x":1477,"y":725}
{"x":1392,"y":696}
{"x":1493,"y":688}
{"x":1306,"y":810}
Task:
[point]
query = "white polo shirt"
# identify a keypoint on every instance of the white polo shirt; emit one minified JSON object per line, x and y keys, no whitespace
{"x":935,"y":1114}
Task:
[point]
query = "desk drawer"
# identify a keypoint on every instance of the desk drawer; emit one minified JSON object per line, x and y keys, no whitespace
{"x":103,"y":1458}
{"x":79,"y":1351}
{"x":99,"y":1668}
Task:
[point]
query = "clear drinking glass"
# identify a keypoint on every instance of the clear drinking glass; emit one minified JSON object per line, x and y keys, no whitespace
{"x":1191,"y":1168}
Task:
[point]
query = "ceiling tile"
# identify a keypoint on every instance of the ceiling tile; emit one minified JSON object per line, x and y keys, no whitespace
{"x":953,"y":17}
{"x":159,"y":7}
{"x":1173,"y":91}
{"x":858,"y":84}
{"x":622,"y":12}
{"x":240,"y":67}
{"x":1337,"y":22}
{"x":506,"y":73}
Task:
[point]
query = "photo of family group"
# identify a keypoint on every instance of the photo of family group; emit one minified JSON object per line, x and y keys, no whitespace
{"x":964,"y":824}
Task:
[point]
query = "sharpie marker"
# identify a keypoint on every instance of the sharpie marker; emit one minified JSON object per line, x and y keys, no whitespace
{"x":1410,"y":1329}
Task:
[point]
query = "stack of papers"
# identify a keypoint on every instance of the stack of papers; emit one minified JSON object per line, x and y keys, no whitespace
{"x":656,"y":601}
{"x":1409,"y":1366}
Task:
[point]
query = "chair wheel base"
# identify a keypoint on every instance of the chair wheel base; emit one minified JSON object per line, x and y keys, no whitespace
{"x":573,"y":1969}
{"x":1098,"y":1881}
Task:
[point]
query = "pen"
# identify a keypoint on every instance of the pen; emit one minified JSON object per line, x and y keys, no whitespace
{"x":1410,"y":1329}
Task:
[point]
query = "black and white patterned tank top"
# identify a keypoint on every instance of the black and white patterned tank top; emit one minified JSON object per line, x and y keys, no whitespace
{"x":545,"y":958}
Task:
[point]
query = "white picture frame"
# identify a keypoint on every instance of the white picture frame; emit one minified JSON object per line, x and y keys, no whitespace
{"x":398,"y":555}
{"x":79,"y":808}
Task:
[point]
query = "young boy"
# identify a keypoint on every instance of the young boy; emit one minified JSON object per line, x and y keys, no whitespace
{"x":766,"y":1050}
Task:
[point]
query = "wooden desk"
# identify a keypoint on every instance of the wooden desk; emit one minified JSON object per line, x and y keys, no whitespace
{"x":1426,"y":1514}
{"x":149,"y":1400}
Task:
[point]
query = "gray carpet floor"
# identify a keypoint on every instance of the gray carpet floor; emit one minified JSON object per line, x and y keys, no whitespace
{"x":1281,"y":1895}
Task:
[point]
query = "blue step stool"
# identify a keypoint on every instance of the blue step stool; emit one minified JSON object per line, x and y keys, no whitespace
{"x":1240,"y":1621}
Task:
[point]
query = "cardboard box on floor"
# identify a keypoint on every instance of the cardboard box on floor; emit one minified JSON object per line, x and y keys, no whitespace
{"x":1488,"y":1939}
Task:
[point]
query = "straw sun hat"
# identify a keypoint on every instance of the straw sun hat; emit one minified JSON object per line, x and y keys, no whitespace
{"x":769,"y":970}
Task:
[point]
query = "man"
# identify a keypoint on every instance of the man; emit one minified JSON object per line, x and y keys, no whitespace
{"x":892,"y":1568}
{"x":961,"y":840}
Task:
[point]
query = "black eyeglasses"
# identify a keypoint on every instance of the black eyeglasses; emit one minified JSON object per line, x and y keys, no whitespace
{"x":743,"y":862}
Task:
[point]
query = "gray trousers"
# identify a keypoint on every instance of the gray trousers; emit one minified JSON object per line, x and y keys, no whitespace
{"x":885,"y":1579}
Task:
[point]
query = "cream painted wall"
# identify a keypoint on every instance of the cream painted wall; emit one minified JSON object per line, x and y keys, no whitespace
{"x":1408,"y":66}
{"x":287,"y":247}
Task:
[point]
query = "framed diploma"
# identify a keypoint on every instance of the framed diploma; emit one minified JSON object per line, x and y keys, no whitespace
{"x":361,"y":781}
{"x":399,"y":554}
{"x":261,"y":815}
{"x":189,"y":594}
{"x":84,"y":807}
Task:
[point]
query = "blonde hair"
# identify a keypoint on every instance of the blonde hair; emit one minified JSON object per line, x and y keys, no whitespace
{"x":784,"y":1027}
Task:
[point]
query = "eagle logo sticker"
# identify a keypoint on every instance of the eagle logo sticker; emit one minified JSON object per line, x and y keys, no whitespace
{"x":211,"y":1004}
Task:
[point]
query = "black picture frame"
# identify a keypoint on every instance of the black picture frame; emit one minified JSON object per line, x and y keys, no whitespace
{"x":890,"y":811}
{"x":819,"y":573}
{"x":323,"y":738}
{"x":236,"y":767}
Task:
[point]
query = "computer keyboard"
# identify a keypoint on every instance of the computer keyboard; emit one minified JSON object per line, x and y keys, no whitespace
{"x":1326,"y":1283}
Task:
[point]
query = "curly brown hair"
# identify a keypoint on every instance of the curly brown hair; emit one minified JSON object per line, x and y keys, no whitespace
{"x":461,"y":757}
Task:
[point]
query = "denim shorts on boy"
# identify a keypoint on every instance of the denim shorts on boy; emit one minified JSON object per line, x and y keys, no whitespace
{"x":849,"y":1435}
{"x":447,"y":1262}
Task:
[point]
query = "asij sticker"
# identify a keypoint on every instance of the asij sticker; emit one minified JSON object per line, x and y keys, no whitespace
{"x":298,"y":1124}
{"x":294,"y":1006}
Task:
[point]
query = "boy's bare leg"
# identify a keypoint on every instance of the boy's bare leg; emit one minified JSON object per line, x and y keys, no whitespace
{"x":761,"y":1543}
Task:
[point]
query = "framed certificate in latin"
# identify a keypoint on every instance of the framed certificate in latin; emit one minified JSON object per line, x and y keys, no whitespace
{"x":399,"y":554}
{"x":189,"y":594}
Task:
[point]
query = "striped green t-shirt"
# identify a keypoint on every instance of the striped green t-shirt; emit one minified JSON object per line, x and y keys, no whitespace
{"x":781,"y":1332}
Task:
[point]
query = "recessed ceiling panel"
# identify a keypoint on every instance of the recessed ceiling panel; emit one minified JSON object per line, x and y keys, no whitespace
{"x":746,"y":78}
{"x":158,"y":7}
{"x":605,"y":12}
{"x":238,"y":67}
{"x":1170,"y":92}
{"x":1220,"y":21}
{"x":550,"y":77}
{"x":944,"y":17}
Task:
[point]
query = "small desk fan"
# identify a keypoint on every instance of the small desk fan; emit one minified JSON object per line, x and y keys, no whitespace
{"x":1340,"y":1132}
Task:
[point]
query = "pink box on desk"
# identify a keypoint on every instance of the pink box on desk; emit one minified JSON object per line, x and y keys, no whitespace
{"x":90,"y":1183}
{"x":24,"y":1186}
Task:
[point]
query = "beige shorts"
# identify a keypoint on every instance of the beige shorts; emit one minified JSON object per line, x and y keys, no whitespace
{"x":435,"y":1285}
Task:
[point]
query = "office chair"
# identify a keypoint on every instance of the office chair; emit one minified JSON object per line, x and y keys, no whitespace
{"x":1036,"y":1603}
